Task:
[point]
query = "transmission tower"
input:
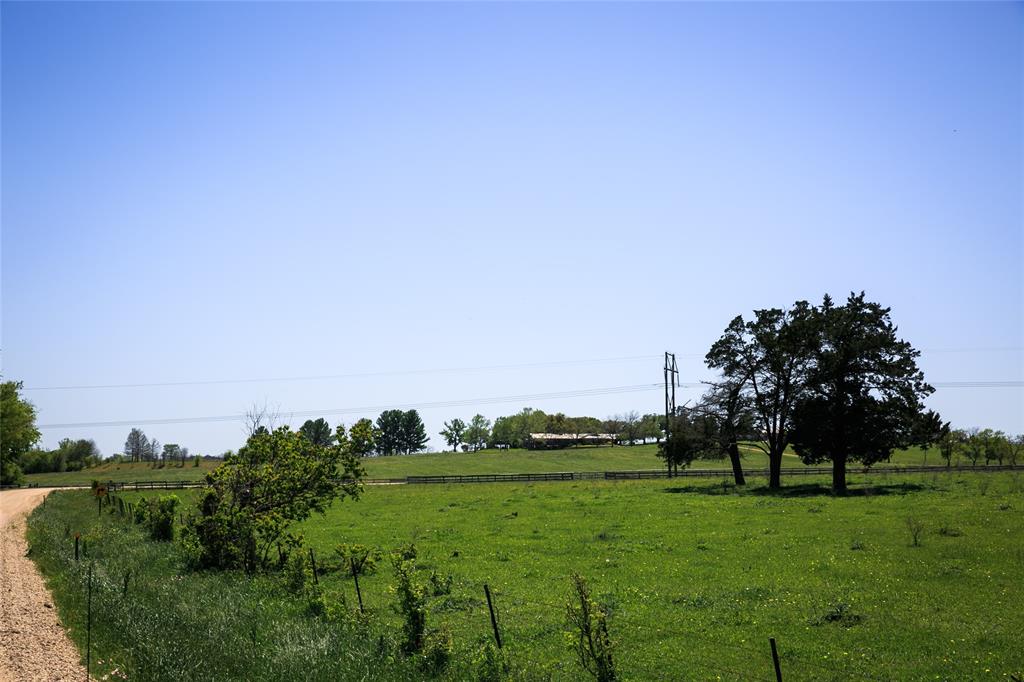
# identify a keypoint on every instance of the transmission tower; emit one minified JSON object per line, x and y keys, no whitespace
{"x":671,"y":382}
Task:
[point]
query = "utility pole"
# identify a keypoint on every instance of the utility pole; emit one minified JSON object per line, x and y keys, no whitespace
{"x":671,"y":381}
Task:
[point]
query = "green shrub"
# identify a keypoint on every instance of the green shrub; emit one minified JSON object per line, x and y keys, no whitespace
{"x":412,"y":605}
{"x":160,"y":518}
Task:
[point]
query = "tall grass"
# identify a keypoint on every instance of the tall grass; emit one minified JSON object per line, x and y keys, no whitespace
{"x":173,"y":625}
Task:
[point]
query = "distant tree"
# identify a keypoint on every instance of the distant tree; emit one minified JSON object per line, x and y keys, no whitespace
{"x":689,"y":436}
{"x":974,"y":445}
{"x":389,"y":432}
{"x":1015,"y":446}
{"x":630,"y":430}
{"x":770,"y":356}
{"x":996,"y":446}
{"x":413,"y":436}
{"x":171,"y":452}
{"x":950,"y":442}
{"x":651,"y":426}
{"x":136,"y":446}
{"x":153,"y":451}
{"x":504,"y":433}
{"x":477,"y":433}
{"x":261,"y":418}
{"x":18,"y":431}
{"x":612,"y":425}
{"x":362,"y":438}
{"x":863,"y":394}
{"x":452,"y":433}
{"x":318,"y":432}
{"x":558,"y":423}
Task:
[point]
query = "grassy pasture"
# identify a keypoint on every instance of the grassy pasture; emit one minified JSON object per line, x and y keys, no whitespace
{"x":125,"y":471}
{"x":609,"y":458}
{"x":697,"y":575}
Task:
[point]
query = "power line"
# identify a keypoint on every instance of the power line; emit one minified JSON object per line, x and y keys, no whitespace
{"x":579,"y":393}
{"x":353,"y":375}
{"x":466,"y":370}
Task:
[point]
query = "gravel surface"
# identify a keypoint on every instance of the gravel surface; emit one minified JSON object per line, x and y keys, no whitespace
{"x":33,"y":644}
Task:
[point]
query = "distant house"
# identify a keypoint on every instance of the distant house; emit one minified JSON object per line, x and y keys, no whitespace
{"x":553,"y":441}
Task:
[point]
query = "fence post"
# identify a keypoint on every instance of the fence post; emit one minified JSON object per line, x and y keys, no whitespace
{"x":775,"y":660}
{"x":355,"y":577}
{"x":312,"y":561}
{"x":494,"y":621}
{"x":88,"y":627}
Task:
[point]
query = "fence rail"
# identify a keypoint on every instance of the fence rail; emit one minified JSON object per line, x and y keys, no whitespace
{"x":589,"y":476}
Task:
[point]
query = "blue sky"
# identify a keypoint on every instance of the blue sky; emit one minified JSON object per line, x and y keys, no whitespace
{"x":195,"y":192}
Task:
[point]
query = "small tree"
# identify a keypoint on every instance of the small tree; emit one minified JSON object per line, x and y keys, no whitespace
{"x":362,"y":438}
{"x":690,"y":434}
{"x":452,"y":433}
{"x":275,"y":480}
{"x":477,"y":433}
{"x":389,"y":432}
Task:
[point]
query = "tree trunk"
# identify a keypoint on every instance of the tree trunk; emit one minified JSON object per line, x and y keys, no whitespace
{"x":839,"y":474}
{"x":737,"y":467}
{"x":775,"y":470}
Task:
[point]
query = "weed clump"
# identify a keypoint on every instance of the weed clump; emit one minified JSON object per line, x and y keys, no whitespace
{"x":915,"y":527}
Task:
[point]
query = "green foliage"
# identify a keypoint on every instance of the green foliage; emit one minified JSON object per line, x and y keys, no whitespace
{"x":362,"y":438}
{"x":18,"y":431}
{"x":70,"y":455}
{"x":588,"y":632}
{"x":296,"y":570}
{"x":452,"y":433}
{"x":863,"y":392}
{"x":317,"y":432}
{"x":770,"y":356}
{"x":412,"y":603}
{"x":478,"y":432}
{"x":363,"y":560}
{"x":389,"y":432}
{"x":251,"y":500}
{"x":160,"y":518}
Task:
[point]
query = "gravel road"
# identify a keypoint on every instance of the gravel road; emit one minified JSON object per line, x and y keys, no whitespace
{"x":33,"y":644}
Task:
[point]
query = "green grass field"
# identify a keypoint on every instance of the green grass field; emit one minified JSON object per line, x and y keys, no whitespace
{"x":697,"y":577}
{"x":614,"y":458}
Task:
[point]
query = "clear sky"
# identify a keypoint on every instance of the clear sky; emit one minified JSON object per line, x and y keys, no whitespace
{"x":196,"y":192}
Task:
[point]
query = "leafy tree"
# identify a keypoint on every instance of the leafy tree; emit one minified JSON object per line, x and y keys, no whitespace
{"x":1014,"y":448}
{"x":651,"y":426}
{"x":974,"y":445}
{"x":770,"y":356}
{"x":504,"y":432}
{"x":863,"y":392}
{"x":18,"y":431}
{"x":612,"y":425}
{"x":389,"y":432}
{"x":558,"y":423}
{"x":950,"y":442}
{"x":477,"y":433}
{"x":136,"y":445}
{"x":690,"y":434}
{"x":413,"y":436}
{"x":171,"y":452}
{"x":630,"y":430}
{"x":276,"y":479}
{"x":582,"y":426}
{"x":317,"y":432}
{"x":452,"y":433}
{"x":362,"y":438}
{"x":153,"y":451}
{"x":731,"y":419}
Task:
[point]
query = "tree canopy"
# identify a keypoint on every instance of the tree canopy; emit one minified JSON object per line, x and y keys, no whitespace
{"x":18,"y":431}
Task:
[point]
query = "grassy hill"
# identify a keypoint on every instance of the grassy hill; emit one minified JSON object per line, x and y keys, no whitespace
{"x":607,"y":458}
